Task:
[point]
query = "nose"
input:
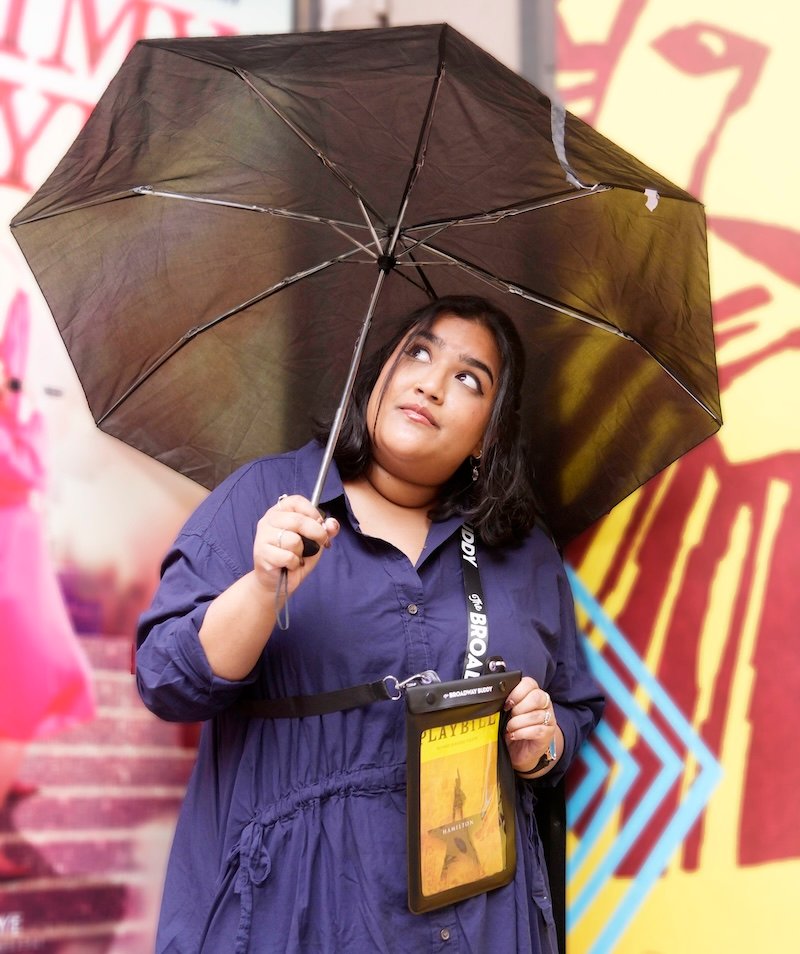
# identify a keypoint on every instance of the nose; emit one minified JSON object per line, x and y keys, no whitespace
{"x":430,"y":385}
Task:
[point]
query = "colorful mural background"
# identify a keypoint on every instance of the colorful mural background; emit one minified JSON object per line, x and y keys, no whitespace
{"x":685,"y":835}
{"x":687,"y":591}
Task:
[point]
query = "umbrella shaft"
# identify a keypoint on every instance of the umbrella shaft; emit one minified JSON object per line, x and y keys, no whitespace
{"x":355,"y":361}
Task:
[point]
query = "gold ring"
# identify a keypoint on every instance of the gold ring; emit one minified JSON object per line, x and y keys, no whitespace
{"x":547,"y":717}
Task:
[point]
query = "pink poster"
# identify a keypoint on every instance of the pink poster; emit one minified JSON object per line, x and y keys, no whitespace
{"x":90,"y":782}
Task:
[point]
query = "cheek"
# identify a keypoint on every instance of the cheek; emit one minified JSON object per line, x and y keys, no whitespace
{"x":474,"y":414}
{"x":478,"y":423}
{"x":388,"y":390}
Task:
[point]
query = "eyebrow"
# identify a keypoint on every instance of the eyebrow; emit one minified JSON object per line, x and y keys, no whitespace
{"x":465,"y":358}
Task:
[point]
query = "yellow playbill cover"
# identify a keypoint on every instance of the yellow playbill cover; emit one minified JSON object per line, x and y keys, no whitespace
{"x":461,"y":839}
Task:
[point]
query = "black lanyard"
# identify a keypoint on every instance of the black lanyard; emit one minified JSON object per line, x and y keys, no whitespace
{"x":476,"y":658}
{"x":477,"y":650}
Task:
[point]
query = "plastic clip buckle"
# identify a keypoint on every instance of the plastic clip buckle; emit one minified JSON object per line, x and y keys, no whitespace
{"x":395,"y":687}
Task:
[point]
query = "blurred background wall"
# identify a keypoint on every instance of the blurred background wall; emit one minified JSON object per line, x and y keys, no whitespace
{"x":685,"y":831}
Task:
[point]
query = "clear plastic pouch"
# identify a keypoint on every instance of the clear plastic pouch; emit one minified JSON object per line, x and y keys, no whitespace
{"x":460,"y":790}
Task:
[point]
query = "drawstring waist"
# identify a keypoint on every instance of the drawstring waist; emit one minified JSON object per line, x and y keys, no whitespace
{"x":251,"y":853}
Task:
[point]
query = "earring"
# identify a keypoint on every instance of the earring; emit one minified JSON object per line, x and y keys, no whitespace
{"x":475,"y":466}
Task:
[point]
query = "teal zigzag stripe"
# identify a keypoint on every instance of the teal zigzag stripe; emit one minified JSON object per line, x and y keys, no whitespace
{"x":696,"y":798}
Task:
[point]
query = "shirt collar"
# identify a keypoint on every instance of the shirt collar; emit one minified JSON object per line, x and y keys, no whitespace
{"x":309,"y":459}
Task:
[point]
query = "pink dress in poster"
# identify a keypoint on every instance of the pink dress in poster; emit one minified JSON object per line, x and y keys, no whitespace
{"x":45,"y":679}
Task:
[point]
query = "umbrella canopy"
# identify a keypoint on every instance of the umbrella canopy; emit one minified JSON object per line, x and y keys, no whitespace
{"x":235,"y":207}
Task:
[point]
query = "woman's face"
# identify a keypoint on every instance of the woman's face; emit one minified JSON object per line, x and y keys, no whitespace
{"x":432,"y":413}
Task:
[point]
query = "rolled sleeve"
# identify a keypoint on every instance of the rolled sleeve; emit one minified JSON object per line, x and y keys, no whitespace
{"x":173,"y":675}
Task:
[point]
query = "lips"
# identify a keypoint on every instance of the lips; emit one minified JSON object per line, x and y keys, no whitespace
{"x":419,"y":414}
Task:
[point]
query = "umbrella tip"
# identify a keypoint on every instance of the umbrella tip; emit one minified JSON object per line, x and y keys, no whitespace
{"x":386,"y":263}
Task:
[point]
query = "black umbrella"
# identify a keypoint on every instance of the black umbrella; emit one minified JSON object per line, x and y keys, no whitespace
{"x":237,"y":211}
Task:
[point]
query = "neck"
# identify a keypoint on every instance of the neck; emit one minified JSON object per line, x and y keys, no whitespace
{"x":400,"y":492}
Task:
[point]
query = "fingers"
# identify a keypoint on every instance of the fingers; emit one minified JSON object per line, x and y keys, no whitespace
{"x":531,"y":715}
{"x":281,"y":532}
{"x":527,"y":696}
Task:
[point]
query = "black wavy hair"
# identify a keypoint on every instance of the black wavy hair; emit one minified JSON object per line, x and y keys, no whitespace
{"x":501,"y":503}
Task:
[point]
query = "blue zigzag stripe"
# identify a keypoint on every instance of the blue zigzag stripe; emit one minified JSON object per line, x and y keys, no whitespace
{"x":670,"y":770}
{"x":594,"y":779}
{"x":616,"y":793}
{"x":696,"y":798}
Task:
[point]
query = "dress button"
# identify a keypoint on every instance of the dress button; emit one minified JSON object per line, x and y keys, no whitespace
{"x":412,"y":609}
{"x":444,"y":934}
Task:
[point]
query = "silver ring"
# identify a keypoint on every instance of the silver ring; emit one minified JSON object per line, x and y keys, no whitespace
{"x":547,"y":716}
{"x":279,"y":545}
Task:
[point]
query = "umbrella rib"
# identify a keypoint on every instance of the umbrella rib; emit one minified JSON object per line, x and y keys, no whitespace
{"x":199,"y":329}
{"x":73,"y":207}
{"x":505,"y":285}
{"x":422,"y":284}
{"x":338,"y":225}
{"x":512,"y":288}
{"x":497,"y":215}
{"x":370,"y":225}
{"x":335,"y":224}
{"x":328,"y":163}
{"x":245,"y":206}
{"x":422,"y":142}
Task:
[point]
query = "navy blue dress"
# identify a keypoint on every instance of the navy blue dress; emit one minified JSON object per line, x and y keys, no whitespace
{"x":291,"y":837}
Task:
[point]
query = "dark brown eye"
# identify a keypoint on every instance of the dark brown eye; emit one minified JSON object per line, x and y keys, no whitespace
{"x":471,"y":381}
{"x":418,"y":352}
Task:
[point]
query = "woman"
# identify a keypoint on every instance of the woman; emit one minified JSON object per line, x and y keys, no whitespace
{"x":292,"y":835}
{"x":45,"y":678}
